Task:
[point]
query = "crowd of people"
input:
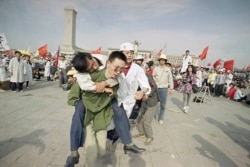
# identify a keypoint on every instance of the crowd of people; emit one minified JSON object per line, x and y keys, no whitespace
{"x":125,"y":89}
{"x":110,"y":93}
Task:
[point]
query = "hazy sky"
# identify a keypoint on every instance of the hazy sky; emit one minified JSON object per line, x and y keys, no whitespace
{"x":223,"y":25}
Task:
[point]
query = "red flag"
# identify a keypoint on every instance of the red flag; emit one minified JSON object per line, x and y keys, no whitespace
{"x":229,"y":65}
{"x":57,"y":56}
{"x":97,"y":51}
{"x":159,"y":53}
{"x":203,"y":55}
{"x":216,"y":63}
{"x":43,"y":50}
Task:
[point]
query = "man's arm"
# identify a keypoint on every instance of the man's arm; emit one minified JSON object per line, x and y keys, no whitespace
{"x":74,"y":94}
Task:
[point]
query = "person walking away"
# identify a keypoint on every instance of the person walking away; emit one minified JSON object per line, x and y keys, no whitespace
{"x":164,"y":80}
{"x":189,"y":78}
{"x":17,"y":70}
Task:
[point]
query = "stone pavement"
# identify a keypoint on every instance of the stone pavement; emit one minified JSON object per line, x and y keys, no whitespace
{"x":34,"y":132}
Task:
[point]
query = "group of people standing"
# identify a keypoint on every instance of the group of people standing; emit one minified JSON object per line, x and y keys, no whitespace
{"x":20,"y":68}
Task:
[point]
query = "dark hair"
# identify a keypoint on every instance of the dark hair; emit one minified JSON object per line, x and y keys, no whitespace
{"x":117,"y":55}
{"x":150,"y":63}
{"x":80,"y":61}
{"x":193,"y":69}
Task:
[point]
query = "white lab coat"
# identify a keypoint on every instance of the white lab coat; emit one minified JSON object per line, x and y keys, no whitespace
{"x":18,"y":69}
{"x":2,"y":70}
{"x":128,"y":86}
{"x":47,"y":69}
{"x":199,"y":78}
{"x":185,"y":62}
{"x":29,"y":76}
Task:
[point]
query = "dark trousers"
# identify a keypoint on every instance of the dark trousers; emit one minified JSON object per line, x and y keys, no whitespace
{"x":218,"y":89}
{"x":122,"y":125}
{"x":14,"y":86}
{"x":62,"y":76}
{"x":77,"y":130}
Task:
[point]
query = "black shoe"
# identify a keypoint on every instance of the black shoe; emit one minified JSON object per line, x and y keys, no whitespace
{"x":133,"y":148}
{"x":71,"y":161}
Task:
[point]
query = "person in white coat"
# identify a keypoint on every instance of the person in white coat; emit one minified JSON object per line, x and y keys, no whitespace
{"x":187,"y":60}
{"x":199,"y":78}
{"x":47,"y":70}
{"x":2,"y":68}
{"x":17,"y":70}
{"x":132,"y":77}
{"x":29,"y":76}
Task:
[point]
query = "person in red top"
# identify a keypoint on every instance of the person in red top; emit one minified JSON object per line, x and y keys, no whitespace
{"x":231,"y":92}
{"x":148,"y":67}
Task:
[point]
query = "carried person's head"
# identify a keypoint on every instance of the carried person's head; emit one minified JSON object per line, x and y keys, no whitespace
{"x":83,"y":62}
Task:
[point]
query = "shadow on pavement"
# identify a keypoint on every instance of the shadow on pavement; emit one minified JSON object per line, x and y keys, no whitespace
{"x":247,"y":121}
{"x":212,"y":152}
{"x":12,"y":144}
{"x":136,"y":160}
{"x":177,"y":102}
{"x":239,"y":135}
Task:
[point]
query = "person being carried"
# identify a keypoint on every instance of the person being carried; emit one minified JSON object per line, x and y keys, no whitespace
{"x":84,"y":64}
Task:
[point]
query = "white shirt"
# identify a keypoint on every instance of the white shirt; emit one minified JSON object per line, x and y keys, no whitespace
{"x":187,"y":59}
{"x":84,"y":79}
{"x":62,"y":64}
{"x":128,"y":86}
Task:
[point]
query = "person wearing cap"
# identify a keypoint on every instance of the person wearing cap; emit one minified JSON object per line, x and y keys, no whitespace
{"x":186,"y":60}
{"x":164,"y":80}
{"x":17,"y":70}
{"x":138,"y":60}
{"x":132,"y":77}
{"x":71,"y":79}
{"x":219,"y":83}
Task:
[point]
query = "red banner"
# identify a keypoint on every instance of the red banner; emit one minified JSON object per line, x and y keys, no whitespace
{"x":203,"y":55}
{"x":229,"y":65}
{"x":43,"y":51}
{"x":57,"y":56}
{"x":216,"y":63}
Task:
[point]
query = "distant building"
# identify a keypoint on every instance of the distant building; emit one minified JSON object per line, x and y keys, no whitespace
{"x":69,"y":47}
